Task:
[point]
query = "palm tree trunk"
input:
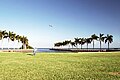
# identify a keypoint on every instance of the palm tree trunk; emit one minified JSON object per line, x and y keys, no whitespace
{"x":14,"y":44}
{"x":100,"y":45}
{"x":18,"y":45}
{"x":8,"y":43}
{"x":108,"y":45}
{"x":93,"y":44}
{"x":68,"y":45}
{"x":24,"y":46}
{"x":76,"y":45}
{"x":2,"y":44}
{"x":87,"y":46}
{"x":81,"y":46}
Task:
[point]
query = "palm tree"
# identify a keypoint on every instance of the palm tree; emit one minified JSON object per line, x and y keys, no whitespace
{"x":24,"y":41}
{"x":1,"y":37}
{"x":9,"y":37}
{"x":72,"y":44}
{"x":67,"y":42}
{"x":109,"y":39}
{"x":81,"y":41}
{"x":101,"y":39}
{"x":17,"y":38}
{"x":20,"y":38}
{"x":5,"y":34}
{"x":64,"y":43}
{"x":58,"y":44}
{"x":13,"y":38}
{"x":88,"y":40}
{"x":76,"y":42}
{"x":94,"y":37}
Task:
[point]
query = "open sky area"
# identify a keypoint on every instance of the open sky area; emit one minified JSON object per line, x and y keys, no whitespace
{"x":69,"y":18}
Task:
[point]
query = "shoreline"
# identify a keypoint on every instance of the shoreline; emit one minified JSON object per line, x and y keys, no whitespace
{"x":85,"y":50}
{"x":61,"y":50}
{"x":17,"y":50}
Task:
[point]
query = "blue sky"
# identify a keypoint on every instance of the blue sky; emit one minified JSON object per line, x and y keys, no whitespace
{"x":70,"y":19}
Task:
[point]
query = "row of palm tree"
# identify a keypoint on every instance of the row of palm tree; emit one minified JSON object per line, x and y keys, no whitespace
{"x":11,"y":36}
{"x":81,"y":41}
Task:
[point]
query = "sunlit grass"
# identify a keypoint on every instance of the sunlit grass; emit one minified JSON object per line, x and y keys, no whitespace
{"x":59,"y":66}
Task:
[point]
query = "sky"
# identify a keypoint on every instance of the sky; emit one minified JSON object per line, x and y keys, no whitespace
{"x":70,"y":19}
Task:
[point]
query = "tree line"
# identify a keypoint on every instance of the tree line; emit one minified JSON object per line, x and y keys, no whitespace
{"x":11,"y":36}
{"x":81,"y":41}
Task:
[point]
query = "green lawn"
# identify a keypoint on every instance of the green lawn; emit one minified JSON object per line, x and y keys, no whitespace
{"x":60,"y":66}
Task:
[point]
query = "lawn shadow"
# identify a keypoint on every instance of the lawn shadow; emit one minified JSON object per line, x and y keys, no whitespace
{"x":30,"y":54}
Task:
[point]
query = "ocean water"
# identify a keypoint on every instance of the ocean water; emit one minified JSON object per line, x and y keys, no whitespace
{"x":45,"y":50}
{"x":48,"y":49}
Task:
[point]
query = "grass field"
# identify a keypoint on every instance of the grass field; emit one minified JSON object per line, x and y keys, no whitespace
{"x":60,"y":66}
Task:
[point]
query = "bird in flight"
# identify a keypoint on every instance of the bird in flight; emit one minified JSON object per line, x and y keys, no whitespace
{"x":50,"y":26}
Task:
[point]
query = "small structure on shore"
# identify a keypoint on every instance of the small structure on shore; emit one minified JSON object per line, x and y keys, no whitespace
{"x":34,"y":51}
